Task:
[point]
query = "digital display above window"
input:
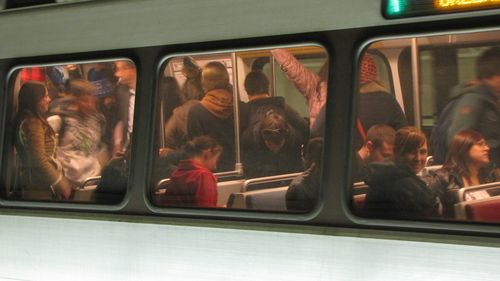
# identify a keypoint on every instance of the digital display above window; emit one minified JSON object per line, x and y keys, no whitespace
{"x":410,"y":8}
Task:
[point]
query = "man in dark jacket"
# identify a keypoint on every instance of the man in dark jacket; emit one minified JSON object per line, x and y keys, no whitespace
{"x":478,"y":107}
{"x":213,"y":116}
{"x":260,"y":102}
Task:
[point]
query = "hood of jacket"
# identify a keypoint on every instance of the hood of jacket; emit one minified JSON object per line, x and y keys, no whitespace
{"x":219,"y":102}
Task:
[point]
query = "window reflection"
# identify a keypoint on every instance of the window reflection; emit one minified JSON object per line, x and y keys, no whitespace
{"x":452,"y":170}
{"x":260,"y":106}
{"x":71,"y":132}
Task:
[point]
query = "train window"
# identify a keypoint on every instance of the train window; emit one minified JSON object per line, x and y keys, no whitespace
{"x":442,"y":163}
{"x":71,"y":132}
{"x":241,"y":129}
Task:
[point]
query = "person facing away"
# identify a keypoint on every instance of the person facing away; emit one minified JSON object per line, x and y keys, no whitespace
{"x":260,"y":102}
{"x":125,"y":71}
{"x":193,"y":183}
{"x":213,"y":116}
{"x":395,"y":190}
{"x":35,"y":142}
{"x":477,"y":105}
{"x":192,"y":88}
{"x":79,"y":127}
{"x":303,"y":192}
{"x":376,"y":104}
{"x":311,"y":85}
{"x":176,"y":126}
{"x":467,"y":164}
{"x":379,"y":147}
{"x":272,"y":147}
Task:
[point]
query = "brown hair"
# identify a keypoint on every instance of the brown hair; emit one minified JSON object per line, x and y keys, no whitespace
{"x":381,"y":133}
{"x":214,"y":76}
{"x":80,"y":87}
{"x":274,"y":127}
{"x":196,"y":146}
{"x":256,"y":82}
{"x":458,"y":153}
{"x":408,"y":140}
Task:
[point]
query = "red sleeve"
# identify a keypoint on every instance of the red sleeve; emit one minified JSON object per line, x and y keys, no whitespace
{"x":206,"y":194}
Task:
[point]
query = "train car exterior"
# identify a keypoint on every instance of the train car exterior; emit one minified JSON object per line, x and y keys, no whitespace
{"x":249,"y":232}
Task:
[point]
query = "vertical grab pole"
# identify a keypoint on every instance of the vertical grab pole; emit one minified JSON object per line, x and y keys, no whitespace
{"x":415,"y":68}
{"x":273,"y":73}
{"x":238,"y":166}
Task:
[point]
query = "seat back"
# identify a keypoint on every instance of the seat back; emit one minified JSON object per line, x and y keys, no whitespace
{"x":487,"y":210}
{"x":270,"y":199}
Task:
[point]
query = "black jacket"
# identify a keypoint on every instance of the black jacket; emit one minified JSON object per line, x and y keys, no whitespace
{"x":395,"y":192}
{"x":446,"y":183}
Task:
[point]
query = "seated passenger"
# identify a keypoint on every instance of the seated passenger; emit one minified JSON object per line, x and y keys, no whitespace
{"x":467,"y":164}
{"x":379,"y":146}
{"x":79,"y":126}
{"x":41,"y":174}
{"x":213,"y":116}
{"x":272,"y":147}
{"x":113,"y":184}
{"x":257,"y":88}
{"x":193,"y":184}
{"x":302,"y":194}
{"x":395,"y":189}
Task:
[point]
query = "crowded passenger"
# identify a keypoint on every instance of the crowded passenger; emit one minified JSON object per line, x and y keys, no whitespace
{"x":311,"y":85}
{"x":474,"y":106}
{"x":272,"y":147}
{"x":35,"y":141}
{"x":467,"y":164}
{"x":112,"y":186}
{"x":170,"y":94}
{"x":303,"y":192}
{"x":213,"y":116}
{"x":125,"y":71}
{"x":79,"y":125}
{"x":260,"y":102}
{"x":192,"y":89}
{"x":379,"y":147}
{"x":376,"y":104}
{"x":176,"y":126}
{"x":193,"y":183}
{"x":395,"y":190}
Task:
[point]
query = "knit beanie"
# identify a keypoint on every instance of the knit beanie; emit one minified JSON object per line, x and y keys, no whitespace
{"x":368,"y":70}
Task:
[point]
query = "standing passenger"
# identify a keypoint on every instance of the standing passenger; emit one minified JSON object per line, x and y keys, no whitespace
{"x":395,"y":190}
{"x":193,"y":184}
{"x":213,"y":116}
{"x":79,"y":127}
{"x":257,"y":88}
{"x":376,"y":105}
{"x":477,"y":106}
{"x":125,"y":71}
{"x":311,"y":85}
{"x":35,"y":142}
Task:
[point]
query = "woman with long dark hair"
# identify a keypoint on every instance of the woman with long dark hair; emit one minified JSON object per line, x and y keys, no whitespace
{"x":35,"y":142}
{"x":467,"y":164}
